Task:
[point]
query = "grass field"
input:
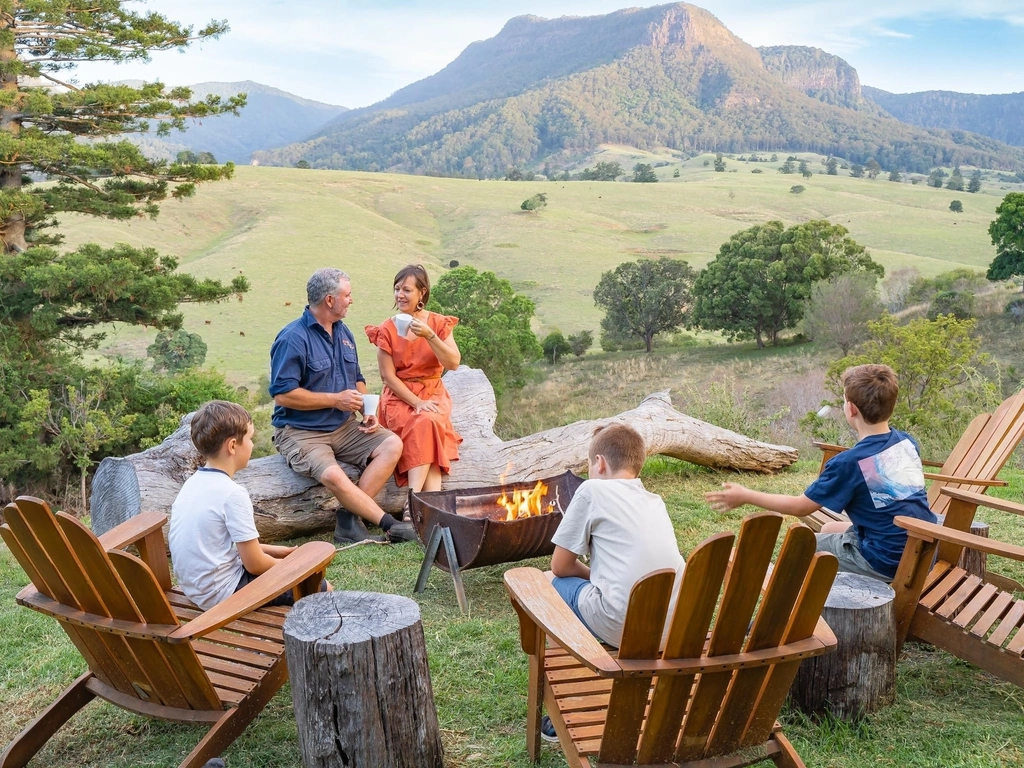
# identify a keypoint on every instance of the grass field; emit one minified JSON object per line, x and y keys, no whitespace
{"x":277,"y":225}
{"x":947,"y":713}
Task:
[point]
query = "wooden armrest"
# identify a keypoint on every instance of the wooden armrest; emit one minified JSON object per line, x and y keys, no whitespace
{"x":934,"y":532}
{"x":983,"y":501}
{"x":533,"y":595}
{"x":932,"y":463}
{"x":131,"y":531}
{"x":965,"y":480}
{"x":829,"y":447}
{"x":311,"y":558}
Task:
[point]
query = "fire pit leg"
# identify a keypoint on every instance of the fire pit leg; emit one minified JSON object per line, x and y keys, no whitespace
{"x":438,"y":534}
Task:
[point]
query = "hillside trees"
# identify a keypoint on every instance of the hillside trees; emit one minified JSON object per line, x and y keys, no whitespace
{"x":603,"y":171}
{"x":643,"y":298}
{"x":758,"y":283}
{"x":1007,"y":233}
{"x":54,"y":301}
{"x":494,"y":323}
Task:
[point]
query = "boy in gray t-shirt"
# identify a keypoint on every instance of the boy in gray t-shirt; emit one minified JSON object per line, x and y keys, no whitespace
{"x":215,"y":547}
{"x":624,"y":529}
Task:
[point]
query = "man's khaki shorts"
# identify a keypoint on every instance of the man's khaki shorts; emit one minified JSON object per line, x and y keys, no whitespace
{"x":312,"y":453}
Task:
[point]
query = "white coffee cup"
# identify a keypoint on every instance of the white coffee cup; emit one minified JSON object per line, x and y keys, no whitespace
{"x":402,"y":323}
{"x":370,"y":403}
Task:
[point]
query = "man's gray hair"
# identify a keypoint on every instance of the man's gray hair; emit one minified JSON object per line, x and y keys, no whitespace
{"x":322,"y":284}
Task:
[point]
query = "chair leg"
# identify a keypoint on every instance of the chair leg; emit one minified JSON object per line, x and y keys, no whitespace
{"x":535,"y":698}
{"x":787,"y":756}
{"x":36,"y":734}
{"x":235,"y":721}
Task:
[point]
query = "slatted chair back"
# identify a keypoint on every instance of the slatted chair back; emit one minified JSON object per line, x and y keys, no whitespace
{"x":111,"y":606}
{"x":720,"y":614}
{"x":982,"y":451}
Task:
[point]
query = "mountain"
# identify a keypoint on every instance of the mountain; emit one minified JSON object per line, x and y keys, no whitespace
{"x":820,"y":75}
{"x":271,"y":118}
{"x":1000,"y":116}
{"x":550,"y":91}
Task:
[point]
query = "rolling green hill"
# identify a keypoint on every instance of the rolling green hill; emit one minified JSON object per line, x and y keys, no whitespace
{"x":551,"y":91}
{"x":277,"y":225}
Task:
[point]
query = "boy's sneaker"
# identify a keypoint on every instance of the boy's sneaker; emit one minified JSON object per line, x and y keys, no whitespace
{"x":547,"y":730}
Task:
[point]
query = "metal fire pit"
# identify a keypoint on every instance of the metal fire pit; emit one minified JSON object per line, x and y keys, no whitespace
{"x":466,"y":528}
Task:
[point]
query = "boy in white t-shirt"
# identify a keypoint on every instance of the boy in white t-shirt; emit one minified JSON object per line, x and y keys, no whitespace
{"x":624,"y":529}
{"x":215,"y":547}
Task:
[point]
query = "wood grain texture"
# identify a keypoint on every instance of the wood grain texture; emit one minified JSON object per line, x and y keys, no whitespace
{"x":360,"y":682}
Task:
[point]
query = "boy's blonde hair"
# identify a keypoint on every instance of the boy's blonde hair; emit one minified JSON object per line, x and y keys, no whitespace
{"x":215,"y":423}
{"x":622,"y":447}
{"x":873,"y":389}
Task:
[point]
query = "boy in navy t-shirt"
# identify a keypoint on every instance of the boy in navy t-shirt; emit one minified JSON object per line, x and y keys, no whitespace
{"x":876,"y":480}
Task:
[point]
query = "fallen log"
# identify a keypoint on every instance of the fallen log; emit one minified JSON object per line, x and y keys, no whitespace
{"x":289,"y":505}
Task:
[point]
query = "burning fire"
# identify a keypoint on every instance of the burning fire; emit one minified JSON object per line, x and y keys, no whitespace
{"x":526,"y":503}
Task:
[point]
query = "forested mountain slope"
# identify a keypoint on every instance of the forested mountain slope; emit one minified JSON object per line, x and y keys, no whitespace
{"x":550,"y":91}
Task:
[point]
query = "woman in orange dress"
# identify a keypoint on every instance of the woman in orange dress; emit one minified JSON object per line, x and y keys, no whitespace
{"x":415,"y":404}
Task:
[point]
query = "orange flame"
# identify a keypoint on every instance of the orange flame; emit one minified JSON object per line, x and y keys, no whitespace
{"x":526,"y":503}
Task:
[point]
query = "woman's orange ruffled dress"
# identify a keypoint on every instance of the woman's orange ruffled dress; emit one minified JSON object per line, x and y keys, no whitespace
{"x":428,"y":438}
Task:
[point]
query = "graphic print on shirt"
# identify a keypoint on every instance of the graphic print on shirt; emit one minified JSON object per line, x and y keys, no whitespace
{"x":893,"y":475}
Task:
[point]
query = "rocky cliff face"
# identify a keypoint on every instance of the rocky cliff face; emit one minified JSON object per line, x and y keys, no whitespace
{"x":820,"y":75}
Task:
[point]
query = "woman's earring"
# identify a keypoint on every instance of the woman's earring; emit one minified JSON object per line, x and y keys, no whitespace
{"x":419,"y":306}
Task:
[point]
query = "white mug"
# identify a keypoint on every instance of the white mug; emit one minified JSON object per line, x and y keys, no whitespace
{"x":402,"y":323}
{"x":370,"y":403}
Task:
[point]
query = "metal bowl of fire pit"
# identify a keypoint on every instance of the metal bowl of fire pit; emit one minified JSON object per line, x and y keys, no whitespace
{"x":496,"y":524}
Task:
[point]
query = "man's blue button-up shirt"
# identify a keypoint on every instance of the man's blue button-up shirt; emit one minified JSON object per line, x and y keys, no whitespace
{"x":305,"y":355}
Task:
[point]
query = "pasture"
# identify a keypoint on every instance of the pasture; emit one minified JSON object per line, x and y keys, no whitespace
{"x":277,"y":225}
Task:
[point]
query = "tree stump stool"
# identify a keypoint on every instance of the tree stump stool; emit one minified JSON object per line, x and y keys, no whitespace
{"x":360,"y":682}
{"x":860,"y":675}
{"x":971,"y":560}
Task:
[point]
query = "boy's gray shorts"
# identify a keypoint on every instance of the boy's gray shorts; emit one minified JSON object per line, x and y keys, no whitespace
{"x":846,"y":547}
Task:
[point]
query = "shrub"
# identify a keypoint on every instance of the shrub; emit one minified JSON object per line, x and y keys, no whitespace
{"x":581,"y":342}
{"x":958,"y":304}
{"x":1015,"y":309}
{"x":757,"y":170}
{"x":555,"y":346}
{"x":797,"y":189}
{"x":956,"y":206}
{"x":535,"y":203}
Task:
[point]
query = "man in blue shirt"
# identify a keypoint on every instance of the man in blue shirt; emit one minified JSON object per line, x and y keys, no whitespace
{"x":317,"y":386}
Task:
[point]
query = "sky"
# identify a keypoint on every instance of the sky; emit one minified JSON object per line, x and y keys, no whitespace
{"x":357,"y":52}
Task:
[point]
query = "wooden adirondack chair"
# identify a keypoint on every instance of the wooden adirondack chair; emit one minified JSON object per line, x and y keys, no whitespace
{"x":973,"y":464}
{"x":639,"y":705}
{"x":220,"y":667}
{"x":950,"y":608}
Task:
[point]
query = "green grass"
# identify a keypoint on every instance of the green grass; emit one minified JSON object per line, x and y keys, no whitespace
{"x":946,"y":712}
{"x":276,"y":225}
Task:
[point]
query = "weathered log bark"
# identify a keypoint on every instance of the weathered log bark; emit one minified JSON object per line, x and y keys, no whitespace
{"x":360,"y":682}
{"x":289,"y":505}
{"x":860,"y":676}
